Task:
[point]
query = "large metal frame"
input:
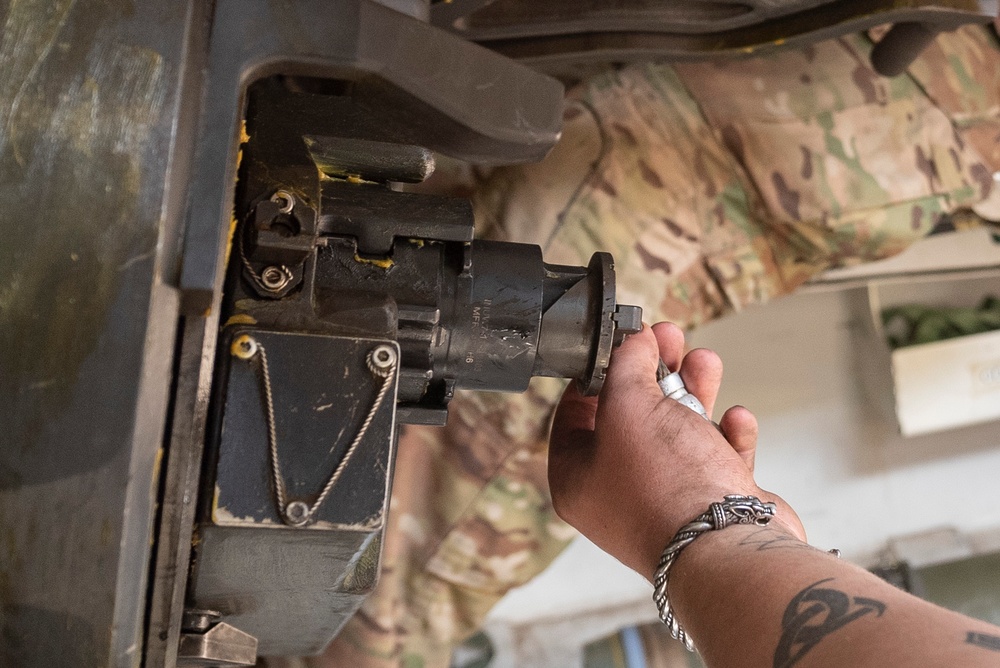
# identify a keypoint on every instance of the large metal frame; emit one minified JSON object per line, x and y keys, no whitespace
{"x":94,"y":138}
{"x":118,"y":140}
{"x":514,"y":118}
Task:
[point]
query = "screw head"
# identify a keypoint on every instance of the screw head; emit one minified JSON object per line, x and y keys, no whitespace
{"x":297,"y":513}
{"x":244,"y":347}
{"x":383,"y":356}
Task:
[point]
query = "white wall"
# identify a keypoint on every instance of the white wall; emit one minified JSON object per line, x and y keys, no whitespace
{"x":821,"y":387}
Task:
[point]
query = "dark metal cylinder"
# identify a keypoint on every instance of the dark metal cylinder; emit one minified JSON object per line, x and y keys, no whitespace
{"x":497,"y":318}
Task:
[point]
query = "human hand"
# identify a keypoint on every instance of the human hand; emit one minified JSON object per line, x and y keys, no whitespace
{"x":630,"y":467}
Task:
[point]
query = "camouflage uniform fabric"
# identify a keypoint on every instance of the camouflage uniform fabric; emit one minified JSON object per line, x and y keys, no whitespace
{"x":717,"y":186}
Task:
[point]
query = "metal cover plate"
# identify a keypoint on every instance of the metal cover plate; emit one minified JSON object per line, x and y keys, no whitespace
{"x":322,"y":391}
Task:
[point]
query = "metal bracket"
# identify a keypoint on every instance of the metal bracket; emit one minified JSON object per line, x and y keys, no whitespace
{"x":487,"y":108}
{"x":206,"y":641}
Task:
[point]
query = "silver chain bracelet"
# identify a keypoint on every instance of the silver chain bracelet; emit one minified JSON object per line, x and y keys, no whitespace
{"x":734,"y":509}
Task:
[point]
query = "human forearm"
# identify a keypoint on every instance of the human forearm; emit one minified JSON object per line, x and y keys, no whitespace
{"x":756,"y":596}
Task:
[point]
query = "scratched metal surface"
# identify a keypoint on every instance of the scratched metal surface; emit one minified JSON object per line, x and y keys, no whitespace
{"x":88,"y":105}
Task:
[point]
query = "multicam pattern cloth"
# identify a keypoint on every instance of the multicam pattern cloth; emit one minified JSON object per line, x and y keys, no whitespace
{"x":716,"y":186}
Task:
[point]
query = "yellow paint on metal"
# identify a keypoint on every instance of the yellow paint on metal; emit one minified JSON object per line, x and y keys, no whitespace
{"x":157,"y":463}
{"x":241,"y":319}
{"x":233,"y":223}
{"x":382,"y":263}
{"x":215,"y":502}
{"x":243,"y":347}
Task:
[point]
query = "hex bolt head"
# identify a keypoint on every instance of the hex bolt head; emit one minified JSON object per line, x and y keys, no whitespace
{"x":284,"y":200}
{"x":382,"y":357}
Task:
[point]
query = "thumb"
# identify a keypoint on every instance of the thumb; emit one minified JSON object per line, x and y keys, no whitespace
{"x":632,"y":373}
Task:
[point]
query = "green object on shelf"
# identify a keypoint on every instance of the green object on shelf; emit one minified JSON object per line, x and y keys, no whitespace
{"x":913,"y":324}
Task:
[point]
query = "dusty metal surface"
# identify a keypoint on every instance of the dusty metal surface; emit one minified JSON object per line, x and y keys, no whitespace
{"x":88,"y":107}
{"x":165,"y":604}
{"x":322,"y":390}
{"x":101,"y":107}
{"x":567,"y":38}
{"x":292,"y":588}
{"x":498,"y":19}
{"x":310,"y":604}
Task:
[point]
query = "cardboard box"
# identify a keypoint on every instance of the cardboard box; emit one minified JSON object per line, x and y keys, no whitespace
{"x":949,"y":383}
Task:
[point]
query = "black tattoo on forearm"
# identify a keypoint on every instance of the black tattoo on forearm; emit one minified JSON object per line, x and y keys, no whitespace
{"x":984,"y":640}
{"x":813,"y":614}
{"x":769,"y":539}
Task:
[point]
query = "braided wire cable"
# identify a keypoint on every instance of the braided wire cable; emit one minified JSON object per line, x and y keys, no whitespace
{"x":272,"y":435}
{"x":386,"y":374}
{"x":257,"y":279}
